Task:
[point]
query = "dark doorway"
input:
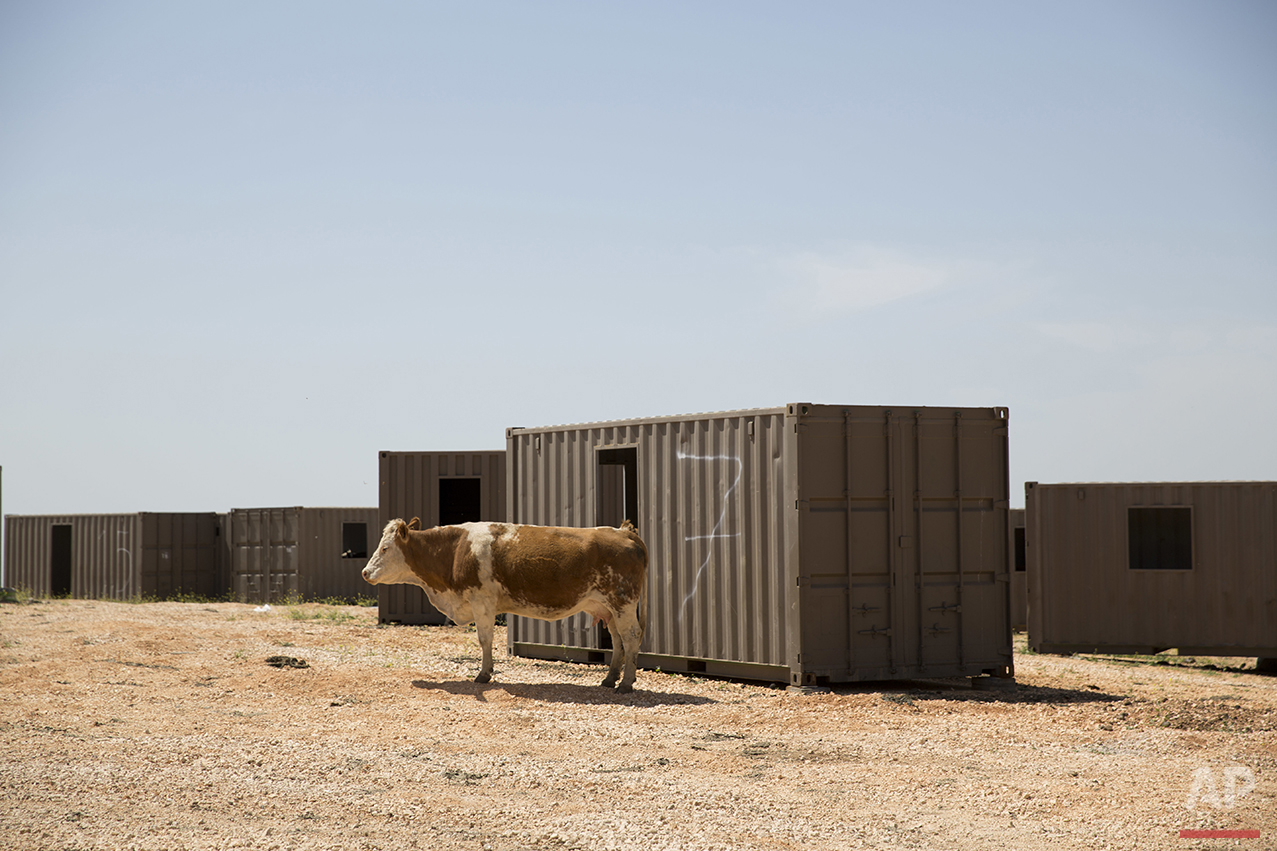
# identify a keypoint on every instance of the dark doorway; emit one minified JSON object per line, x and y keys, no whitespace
{"x":354,"y":540}
{"x":1021,"y":562}
{"x":616,"y":495}
{"x":460,"y":501}
{"x":617,"y":487}
{"x":60,"y":560}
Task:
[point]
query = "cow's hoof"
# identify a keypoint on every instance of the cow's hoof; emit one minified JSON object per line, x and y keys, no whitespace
{"x":483,"y":678}
{"x":609,"y":682}
{"x":624,"y":688}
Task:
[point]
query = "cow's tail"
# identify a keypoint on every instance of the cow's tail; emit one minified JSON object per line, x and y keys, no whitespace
{"x":642,"y":612}
{"x":628,"y":528}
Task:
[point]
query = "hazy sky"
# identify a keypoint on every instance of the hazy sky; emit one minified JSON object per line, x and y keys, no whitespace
{"x":246,"y":246}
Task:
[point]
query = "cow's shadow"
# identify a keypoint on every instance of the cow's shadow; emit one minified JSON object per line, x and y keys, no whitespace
{"x":562,"y":693}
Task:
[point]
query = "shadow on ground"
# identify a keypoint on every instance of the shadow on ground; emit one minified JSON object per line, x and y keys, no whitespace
{"x":988,"y":691}
{"x":563,"y":693}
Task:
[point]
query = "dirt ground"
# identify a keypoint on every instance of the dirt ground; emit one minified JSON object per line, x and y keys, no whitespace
{"x":161,"y":726}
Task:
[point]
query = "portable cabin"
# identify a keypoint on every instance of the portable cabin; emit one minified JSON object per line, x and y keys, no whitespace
{"x":1146,"y":567}
{"x":145,"y":555}
{"x":804,"y":544}
{"x":296,"y":553}
{"x":439,"y":488}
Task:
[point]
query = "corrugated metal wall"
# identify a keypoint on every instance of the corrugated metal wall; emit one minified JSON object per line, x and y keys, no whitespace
{"x":265,"y":553}
{"x":324,"y":572}
{"x":765,"y":562}
{"x":116,"y":556}
{"x":181,"y":554}
{"x":710,"y":511}
{"x":1084,"y":596}
{"x":279,"y":554}
{"x":409,"y":487}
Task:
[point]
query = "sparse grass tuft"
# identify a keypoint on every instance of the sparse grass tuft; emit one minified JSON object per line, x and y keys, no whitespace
{"x":16,"y":595}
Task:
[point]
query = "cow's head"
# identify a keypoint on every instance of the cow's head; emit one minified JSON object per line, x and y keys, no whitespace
{"x":388,"y":565}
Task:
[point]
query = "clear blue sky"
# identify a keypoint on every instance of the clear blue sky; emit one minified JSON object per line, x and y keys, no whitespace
{"x":246,"y":246}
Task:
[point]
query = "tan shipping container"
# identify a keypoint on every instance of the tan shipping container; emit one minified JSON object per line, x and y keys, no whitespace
{"x":805,"y":544}
{"x":1146,"y":567}
{"x":440,"y":488}
{"x":147,"y":555}
{"x":279,"y":554}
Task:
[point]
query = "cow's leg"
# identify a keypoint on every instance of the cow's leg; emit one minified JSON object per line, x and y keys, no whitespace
{"x":614,"y":672}
{"x":484,"y":623}
{"x":631,"y":635}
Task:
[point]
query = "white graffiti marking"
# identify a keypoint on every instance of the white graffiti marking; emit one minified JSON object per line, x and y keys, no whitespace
{"x":722,"y":517}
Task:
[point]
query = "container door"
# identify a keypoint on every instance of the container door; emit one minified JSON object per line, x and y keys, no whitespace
{"x":60,"y":560}
{"x":265,"y":554}
{"x":285,"y":554}
{"x":903,"y":541}
{"x":179,"y":555}
{"x":958,"y":563}
{"x":851,"y":537}
{"x":615,"y":501}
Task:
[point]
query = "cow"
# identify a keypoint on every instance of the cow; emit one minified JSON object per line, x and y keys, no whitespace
{"x":473,"y":572}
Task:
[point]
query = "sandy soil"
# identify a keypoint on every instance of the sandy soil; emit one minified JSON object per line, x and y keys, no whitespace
{"x":161,"y":726}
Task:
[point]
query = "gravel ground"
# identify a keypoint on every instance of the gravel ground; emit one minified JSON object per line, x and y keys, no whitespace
{"x":162,"y":726}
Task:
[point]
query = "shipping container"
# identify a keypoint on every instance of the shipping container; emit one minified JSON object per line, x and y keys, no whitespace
{"x":1146,"y":567}
{"x":805,"y":544}
{"x":148,"y":555}
{"x":1019,"y":572}
{"x":296,"y":553}
{"x":439,"y":488}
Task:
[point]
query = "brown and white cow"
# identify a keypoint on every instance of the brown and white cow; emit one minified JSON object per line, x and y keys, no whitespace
{"x":473,"y":572}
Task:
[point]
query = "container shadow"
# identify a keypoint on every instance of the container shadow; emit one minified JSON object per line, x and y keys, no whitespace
{"x":1004,"y":691}
{"x":563,"y":693}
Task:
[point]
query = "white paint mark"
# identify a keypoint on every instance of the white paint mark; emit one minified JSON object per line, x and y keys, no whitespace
{"x":714,"y":534}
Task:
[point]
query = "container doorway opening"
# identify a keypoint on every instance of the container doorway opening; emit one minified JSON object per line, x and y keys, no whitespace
{"x":616,"y":495}
{"x":617,"y":491}
{"x":460,"y":501}
{"x":60,"y":560}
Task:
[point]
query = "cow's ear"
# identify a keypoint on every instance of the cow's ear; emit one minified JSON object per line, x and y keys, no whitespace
{"x":402,"y":531}
{"x":414,"y":523}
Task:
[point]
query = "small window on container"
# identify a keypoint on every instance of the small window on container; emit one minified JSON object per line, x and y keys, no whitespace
{"x":460,"y":501}
{"x":1160,"y":538}
{"x":1020,"y":560}
{"x":354,"y":540}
